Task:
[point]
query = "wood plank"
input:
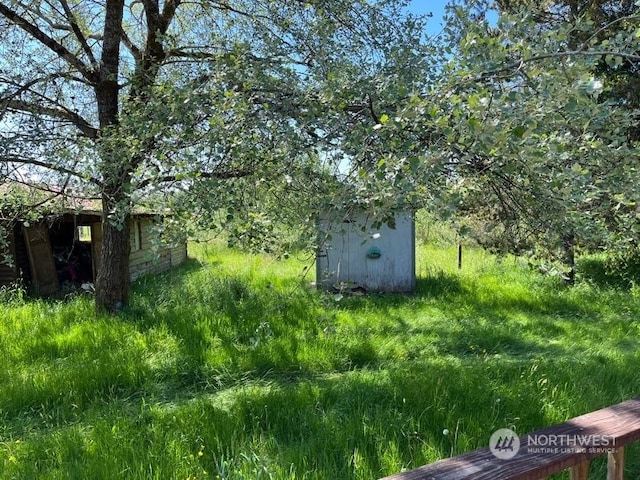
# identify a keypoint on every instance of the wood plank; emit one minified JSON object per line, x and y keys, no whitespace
{"x":619,"y":423}
{"x":43,"y":269}
{"x":96,"y":247}
{"x":178,"y":254}
{"x":615,"y":464}
{"x":146,"y":233}
{"x":580,"y":471}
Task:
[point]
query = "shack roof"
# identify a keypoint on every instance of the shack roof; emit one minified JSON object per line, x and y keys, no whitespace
{"x":52,"y":201}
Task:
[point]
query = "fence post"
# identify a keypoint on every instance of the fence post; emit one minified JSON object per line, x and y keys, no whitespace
{"x":615,"y":464}
{"x":580,"y":471}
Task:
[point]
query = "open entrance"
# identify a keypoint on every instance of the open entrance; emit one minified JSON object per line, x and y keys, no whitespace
{"x":71,"y":246}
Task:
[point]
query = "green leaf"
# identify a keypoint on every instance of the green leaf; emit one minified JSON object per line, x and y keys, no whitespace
{"x":519,"y":131}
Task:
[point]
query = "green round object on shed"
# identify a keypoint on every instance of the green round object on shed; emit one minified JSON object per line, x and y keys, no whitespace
{"x":374,"y":252}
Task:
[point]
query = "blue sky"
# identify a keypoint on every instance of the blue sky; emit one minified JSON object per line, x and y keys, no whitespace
{"x":436,"y":7}
{"x":435,"y":24}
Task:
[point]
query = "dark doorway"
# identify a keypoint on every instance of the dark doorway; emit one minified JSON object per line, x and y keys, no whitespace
{"x":71,"y":247}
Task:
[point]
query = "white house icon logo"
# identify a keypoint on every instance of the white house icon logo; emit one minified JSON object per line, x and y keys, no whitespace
{"x":504,"y":443}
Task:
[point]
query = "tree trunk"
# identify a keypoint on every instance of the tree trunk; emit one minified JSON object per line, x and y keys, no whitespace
{"x":569,"y":257}
{"x":113,"y":279}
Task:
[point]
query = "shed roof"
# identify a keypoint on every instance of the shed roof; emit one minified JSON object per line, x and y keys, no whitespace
{"x":57,"y":201}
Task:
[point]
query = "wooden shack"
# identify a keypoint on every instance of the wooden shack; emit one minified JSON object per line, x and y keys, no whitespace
{"x":64,"y":251}
{"x":356,"y":254}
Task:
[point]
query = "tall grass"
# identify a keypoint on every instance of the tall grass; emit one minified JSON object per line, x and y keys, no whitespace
{"x":233,"y":367}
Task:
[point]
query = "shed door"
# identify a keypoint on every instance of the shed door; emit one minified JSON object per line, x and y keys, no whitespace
{"x":43,"y":269}
{"x":96,"y":247}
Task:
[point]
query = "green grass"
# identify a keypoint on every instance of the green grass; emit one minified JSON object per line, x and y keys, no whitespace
{"x":232,"y":367}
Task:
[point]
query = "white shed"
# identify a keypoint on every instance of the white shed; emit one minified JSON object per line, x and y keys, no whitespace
{"x":354,"y":254}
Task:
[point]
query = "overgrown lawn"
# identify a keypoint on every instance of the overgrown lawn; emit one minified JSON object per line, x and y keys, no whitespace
{"x":234,"y":367}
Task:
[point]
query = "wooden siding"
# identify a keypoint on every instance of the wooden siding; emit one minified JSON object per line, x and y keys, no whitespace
{"x":43,"y":269}
{"x":178,"y":254}
{"x":142,"y":260}
{"x":145,"y":260}
{"x":354,"y":254}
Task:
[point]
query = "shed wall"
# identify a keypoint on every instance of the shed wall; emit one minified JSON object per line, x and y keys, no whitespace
{"x":142,"y":260}
{"x":342,"y":260}
{"x":178,"y":254}
{"x":43,"y":269}
{"x":145,"y":260}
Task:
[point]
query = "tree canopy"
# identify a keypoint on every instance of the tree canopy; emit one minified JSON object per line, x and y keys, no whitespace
{"x":124,"y":100}
{"x":239,"y":113}
{"x":530,"y":132}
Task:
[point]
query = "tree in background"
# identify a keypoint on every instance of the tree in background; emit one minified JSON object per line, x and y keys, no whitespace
{"x":239,"y":114}
{"x":529,"y":135}
{"x":124,"y":100}
{"x":607,"y":27}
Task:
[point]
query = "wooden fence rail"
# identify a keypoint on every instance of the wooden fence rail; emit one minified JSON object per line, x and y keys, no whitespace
{"x":570,"y":445}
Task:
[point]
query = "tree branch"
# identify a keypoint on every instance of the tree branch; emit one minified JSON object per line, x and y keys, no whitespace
{"x":607,"y":26}
{"x":108,"y":91}
{"x":168,"y":12}
{"x":517,"y":65}
{"x":132,"y":47}
{"x":20,"y":89}
{"x":48,"y":42}
{"x":79,"y":35}
{"x":49,"y":166}
{"x":56,"y":112}
{"x":152,"y":11}
{"x":225,"y":175}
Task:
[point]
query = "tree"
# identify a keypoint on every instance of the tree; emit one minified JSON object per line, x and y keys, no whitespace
{"x":525,"y":138}
{"x":603,"y":25}
{"x":121,"y":98}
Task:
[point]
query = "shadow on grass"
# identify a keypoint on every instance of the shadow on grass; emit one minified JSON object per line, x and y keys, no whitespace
{"x":310,"y":389}
{"x":595,"y":271}
{"x":247,"y":327}
{"x":395,"y":418}
{"x":357,"y":424}
{"x":447,"y":287}
{"x":439,"y":285}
